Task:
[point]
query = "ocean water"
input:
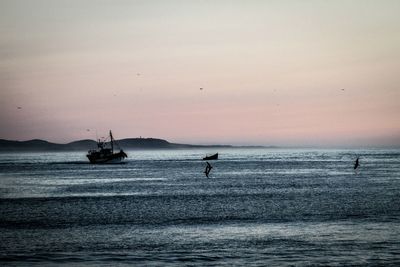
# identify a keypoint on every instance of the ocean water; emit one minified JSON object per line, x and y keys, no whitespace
{"x":260,"y":207}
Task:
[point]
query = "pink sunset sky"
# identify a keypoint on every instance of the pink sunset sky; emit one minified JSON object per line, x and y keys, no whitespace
{"x":303,"y":73}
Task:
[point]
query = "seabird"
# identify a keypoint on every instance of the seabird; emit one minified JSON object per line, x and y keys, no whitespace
{"x":208,"y":169}
{"x":357,"y":163}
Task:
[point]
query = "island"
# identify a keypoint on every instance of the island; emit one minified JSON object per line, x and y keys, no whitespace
{"x":37,"y":145}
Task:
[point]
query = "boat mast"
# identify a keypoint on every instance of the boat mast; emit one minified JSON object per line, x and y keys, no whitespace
{"x":112,"y":142}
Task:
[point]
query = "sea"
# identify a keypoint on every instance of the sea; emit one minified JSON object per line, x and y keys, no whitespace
{"x":259,"y":207}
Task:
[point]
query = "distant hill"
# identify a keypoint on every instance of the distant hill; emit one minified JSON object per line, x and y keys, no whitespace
{"x":42,"y":145}
{"x":38,"y":145}
{"x":80,"y":145}
{"x":31,"y":145}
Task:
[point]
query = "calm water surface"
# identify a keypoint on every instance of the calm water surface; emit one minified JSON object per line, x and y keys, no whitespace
{"x":261,"y":207}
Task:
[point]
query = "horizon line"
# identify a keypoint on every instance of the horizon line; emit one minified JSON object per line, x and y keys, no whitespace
{"x":238,"y":145}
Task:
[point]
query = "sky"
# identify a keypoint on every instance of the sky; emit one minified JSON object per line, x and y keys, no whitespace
{"x":289,"y":73}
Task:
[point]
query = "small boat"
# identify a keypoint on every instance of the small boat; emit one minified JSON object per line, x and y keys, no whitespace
{"x":106,"y":155}
{"x":211,"y":157}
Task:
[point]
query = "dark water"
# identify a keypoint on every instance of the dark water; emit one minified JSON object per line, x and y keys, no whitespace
{"x":258,"y":208}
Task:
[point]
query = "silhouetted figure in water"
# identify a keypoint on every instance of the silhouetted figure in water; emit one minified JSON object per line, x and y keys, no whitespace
{"x":357,"y":163}
{"x":208,"y":169}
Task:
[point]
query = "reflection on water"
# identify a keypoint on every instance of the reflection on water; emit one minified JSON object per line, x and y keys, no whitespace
{"x":259,"y":207}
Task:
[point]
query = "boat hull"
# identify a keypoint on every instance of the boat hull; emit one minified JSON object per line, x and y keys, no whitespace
{"x":212,"y":157}
{"x":108,"y":159}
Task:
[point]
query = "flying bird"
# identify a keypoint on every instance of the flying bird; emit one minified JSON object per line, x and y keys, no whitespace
{"x":19,"y":107}
{"x":357,"y":163}
{"x":208,"y":169}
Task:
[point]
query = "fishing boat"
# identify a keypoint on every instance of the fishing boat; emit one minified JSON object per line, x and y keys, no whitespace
{"x":105,"y":154}
{"x":211,"y":157}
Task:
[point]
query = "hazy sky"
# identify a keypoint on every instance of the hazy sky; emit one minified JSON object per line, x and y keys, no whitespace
{"x":272,"y":72}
